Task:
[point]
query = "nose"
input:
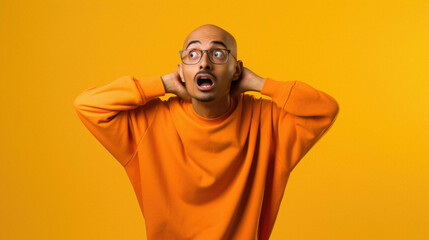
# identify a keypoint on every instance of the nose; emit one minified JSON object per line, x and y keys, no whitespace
{"x":205,"y":62}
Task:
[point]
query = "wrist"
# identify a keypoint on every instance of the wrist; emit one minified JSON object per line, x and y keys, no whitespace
{"x":165,"y":83}
{"x":258,"y":83}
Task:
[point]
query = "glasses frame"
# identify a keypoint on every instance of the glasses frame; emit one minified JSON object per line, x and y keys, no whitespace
{"x":207,"y":51}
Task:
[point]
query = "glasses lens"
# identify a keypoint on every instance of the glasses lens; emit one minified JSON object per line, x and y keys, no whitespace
{"x":218,"y":55}
{"x":191,"y":56}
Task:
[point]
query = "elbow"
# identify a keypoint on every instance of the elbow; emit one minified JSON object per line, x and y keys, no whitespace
{"x":335,"y":109}
{"x":80,"y":105}
{"x":82,"y":99}
{"x":77,"y":103}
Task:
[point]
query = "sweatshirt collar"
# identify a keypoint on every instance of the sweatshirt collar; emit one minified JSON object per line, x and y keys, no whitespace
{"x":216,"y":120}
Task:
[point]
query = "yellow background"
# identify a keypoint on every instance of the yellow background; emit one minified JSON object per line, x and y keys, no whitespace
{"x":367,"y":178}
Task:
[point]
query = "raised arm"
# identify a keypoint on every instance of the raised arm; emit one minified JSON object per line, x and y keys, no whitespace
{"x":301,"y":116}
{"x":109,"y":112}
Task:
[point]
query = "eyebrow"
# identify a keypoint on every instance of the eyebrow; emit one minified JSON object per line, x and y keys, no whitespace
{"x":213,"y":42}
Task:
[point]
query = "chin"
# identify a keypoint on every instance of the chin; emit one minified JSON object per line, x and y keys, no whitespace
{"x":205,"y":98}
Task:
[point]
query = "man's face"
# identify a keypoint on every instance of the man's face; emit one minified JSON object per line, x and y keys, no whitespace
{"x":222,"y":75}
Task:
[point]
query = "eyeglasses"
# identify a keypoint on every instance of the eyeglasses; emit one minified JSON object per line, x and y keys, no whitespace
{"x":216,"y":56}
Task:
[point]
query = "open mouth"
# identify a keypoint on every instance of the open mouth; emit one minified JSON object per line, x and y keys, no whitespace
{"x":205,"y":82}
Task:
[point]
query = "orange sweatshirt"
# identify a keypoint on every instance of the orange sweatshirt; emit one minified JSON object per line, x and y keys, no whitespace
{"x":204,"y":179}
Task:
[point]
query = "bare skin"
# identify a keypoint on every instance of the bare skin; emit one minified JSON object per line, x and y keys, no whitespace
{"x":231,"y":78}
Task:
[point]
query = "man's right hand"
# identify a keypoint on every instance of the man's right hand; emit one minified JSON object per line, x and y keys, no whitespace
{"x":173,"y":84}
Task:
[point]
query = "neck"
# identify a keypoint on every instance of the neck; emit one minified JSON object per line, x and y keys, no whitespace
{"x":213,"y":108}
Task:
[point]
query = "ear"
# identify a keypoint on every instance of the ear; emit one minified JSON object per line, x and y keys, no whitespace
{"x":180,"y":70}
{"x":238,"y":69}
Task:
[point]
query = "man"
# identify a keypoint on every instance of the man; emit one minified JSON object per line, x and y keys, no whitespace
{"x":213,"y":162}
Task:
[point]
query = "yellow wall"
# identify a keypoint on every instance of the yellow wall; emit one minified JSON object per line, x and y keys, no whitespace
{"x":367,"y":178}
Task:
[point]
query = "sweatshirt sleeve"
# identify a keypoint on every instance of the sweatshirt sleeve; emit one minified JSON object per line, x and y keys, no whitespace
{"x":109,"y":112}
{"x":301,"y":115}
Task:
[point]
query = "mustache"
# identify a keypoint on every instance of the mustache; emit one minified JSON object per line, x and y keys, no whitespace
{"x":204,"y":72}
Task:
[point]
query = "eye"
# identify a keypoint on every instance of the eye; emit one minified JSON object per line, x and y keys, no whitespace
{"x":218,"y":53}
{"x":193,"y":53}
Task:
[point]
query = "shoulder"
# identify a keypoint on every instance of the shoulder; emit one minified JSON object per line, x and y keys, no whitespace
{"x":170,"y":103}
{"x":252,"y":99}
{"x":255,"y":104}
{"x":155,"y":105}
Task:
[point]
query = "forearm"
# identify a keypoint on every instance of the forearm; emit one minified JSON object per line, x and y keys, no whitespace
{"x":300,"y":99}
{"x":124,"y":93}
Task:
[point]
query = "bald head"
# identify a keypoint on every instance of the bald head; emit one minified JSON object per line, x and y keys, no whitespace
{"x":212,"y":31}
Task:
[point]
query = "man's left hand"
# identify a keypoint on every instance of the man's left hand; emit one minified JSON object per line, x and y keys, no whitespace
{"x":248,"y":81}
